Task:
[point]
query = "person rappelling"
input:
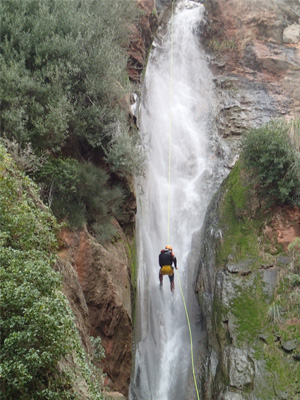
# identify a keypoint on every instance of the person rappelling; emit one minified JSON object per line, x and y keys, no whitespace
{"x":166,"y":259}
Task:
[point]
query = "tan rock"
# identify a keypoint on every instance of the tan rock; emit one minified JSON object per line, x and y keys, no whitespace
{"x":291,"y":34}
{"x":104,"y":278}
{"x":113,"y":396}
{"x":141,"y":39}
{"x":264,"y":49}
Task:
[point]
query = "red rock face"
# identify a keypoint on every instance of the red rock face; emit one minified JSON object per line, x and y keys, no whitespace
{"x":284,"y":227}
{"x":104,"y":278}
{"x":141,"y":38}
{"x":258,"y":73}
{"x":247,"y":42}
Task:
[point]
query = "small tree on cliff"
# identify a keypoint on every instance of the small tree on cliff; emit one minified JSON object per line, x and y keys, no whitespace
{"x":272,"y":159}
{"x":63,"y":79}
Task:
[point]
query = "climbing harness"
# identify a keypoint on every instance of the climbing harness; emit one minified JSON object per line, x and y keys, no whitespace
{"x":169,"y":197}
{"x":166,"y":270}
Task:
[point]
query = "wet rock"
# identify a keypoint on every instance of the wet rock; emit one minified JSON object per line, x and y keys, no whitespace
{"x":289,"y":345}
{"x":291,"y":34}
{"x":74,"y":293}
{"x":264,"y":338}
{"x":283,"y":395}
{"x":283,"y":260}
{"x":257,"y":43}
{"x":242,"y":268}
{"x":140,"y":40}
{"x":243,"y":104}
{"x":269,"y":277}
{"x":114,"y":396}
{"x":234,"y":396}
{"x":104,"y":279}
{"x":240,"y":367}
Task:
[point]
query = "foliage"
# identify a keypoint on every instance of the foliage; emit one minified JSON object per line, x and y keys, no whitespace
{"x":124,"y":153}
{"x":239,"y":231}
{"x":63,"y":84}
{"x":221,"y":45}
{"x":273,"y":161}
{"x":294,"y":252}
{"x":37,"y":327}
{"x":259,"y":321}
{"x":99,"y":352}
{"x":282,"y":367}
{"x":249,"y":309}
{"x":24,"y":156}
{"x":63,"y":69}
{"x":81,"y":194}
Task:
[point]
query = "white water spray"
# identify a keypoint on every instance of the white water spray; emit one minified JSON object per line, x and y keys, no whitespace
{"x":163,"y":354}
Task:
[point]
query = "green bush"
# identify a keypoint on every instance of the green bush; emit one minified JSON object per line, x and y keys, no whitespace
{"x":125,"y":154}
{"x":63,"y":70}
{"x":36,"y":324}
{"x":81,"y":194}
{"x":63,"y":79}
{"x":294,"y":252}
{"x":35,"y":321}
{"x":273,"y":161}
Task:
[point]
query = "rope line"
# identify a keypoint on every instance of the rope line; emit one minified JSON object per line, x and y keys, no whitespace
{"x":170,"y":122}
{"x":191,"y":337}
{"x":169,"y":197}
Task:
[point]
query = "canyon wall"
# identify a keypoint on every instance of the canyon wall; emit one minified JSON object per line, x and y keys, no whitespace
{"x":254,"y":53}
{"x":254,"y":49}
{"x":97,"y":277}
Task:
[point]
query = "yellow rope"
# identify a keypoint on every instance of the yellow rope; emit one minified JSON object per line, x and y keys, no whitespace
{"x":169,"y":198}
{"x":170,"y":123}
{"x":191,"y":337}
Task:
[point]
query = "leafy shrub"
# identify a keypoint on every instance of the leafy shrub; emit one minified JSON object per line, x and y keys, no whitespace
{"x":99,"y":352}
{"x":294,"y":252}
{"x":63,"y":69}
{"x":24,"y":156}
{"x":63,"y":79}
{"x":273,"y":162}
{"x":81,"y":194}
{"x":36,"y":324}
{"x":125,"y":154}
{"x":35,"y":321}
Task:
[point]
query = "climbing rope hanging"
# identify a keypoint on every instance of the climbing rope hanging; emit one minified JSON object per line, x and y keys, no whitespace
{"x":169,"y":196}
{"x":170,"y":120}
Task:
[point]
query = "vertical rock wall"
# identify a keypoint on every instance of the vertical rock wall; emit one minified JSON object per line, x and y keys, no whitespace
{"x":99,"y":290}
{"x":97,"y":278}
{"x":254,"y":53}
{"x":255,"y":56}
{"x":243,"y":262}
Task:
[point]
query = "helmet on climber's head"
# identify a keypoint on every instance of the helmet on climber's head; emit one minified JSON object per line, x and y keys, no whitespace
{"x":169,"y":247}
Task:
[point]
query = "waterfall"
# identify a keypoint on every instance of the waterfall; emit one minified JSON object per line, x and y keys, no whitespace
{"x":163,"y":353}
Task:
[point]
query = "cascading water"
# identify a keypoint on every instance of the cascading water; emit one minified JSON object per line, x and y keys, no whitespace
{"x":185,"y":88}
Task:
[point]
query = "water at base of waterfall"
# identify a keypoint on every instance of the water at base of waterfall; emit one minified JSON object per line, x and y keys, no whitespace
{"x":176,"y":118}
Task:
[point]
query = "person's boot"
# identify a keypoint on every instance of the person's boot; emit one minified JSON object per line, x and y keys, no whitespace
{"x":160,"y":280}
{"x":172,"y":286}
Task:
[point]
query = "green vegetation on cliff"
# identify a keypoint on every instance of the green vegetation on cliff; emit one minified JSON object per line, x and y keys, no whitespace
{"x":36,"y":324}
{"x":271,"y":156}
{"x":262,"y":282}
{"x":64,"y":87}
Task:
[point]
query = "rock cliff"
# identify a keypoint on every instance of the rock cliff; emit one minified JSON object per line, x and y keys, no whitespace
{"x":248,"y":301}
{"x":255,"y":56}
{"x":100,"y":294}
{"x":254,"y":50}
{"x":97,"y":278}
{"x":141,"y":39}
